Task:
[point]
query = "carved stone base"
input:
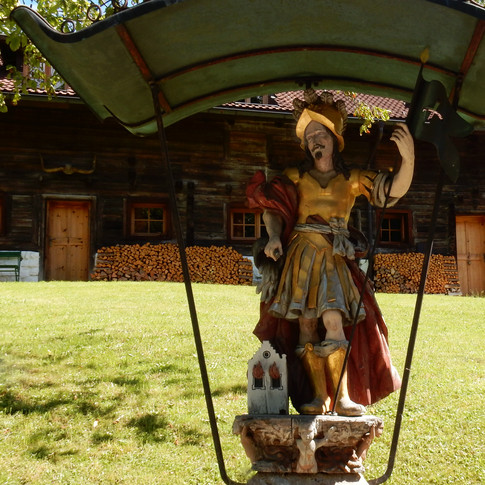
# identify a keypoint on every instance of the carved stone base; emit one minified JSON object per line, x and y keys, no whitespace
{"x":300,"y":479}
{"x":302,"y":444}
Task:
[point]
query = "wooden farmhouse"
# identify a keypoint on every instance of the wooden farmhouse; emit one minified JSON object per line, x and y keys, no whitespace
{"x":70,"y":184}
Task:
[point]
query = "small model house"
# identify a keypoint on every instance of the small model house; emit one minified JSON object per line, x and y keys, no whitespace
{"x":267,"y":382}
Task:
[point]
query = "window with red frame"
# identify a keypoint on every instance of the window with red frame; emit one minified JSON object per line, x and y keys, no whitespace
{"x":148,"y":219}
{"x":245,"y":225}
{"x":395,"y":228}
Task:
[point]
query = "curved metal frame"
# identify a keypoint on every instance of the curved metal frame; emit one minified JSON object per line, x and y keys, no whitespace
{"x":157,"y":96}
{"x":412,"y":337}
{"x":195,"y":323}
{"x":188,"y":289}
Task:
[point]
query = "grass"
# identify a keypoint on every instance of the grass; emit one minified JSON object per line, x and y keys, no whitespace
{"x":99,"y":384}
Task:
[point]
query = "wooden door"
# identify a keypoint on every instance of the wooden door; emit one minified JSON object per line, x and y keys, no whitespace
{"x":470,"y":248}
{"x":67,"y":254}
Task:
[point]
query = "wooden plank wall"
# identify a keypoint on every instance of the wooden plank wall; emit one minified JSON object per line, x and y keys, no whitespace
{"x":214,"y":155}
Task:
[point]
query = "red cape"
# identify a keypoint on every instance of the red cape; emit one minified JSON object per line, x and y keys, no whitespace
{"x":371,"y":376}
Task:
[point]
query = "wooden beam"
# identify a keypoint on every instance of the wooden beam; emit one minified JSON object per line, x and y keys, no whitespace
{"x":467,"y":62}
{"x":140,"y":62}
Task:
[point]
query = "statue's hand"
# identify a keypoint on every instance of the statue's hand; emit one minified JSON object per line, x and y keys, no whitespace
{"x":402,"y":137}
{"x":274,"y":248}
{"x":405,"y":144}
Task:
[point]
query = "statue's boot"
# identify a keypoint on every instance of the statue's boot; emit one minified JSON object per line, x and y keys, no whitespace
{"x":344,"y":406}
{"x":314,"y":366}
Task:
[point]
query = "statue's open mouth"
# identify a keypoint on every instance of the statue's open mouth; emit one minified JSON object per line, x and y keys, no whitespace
{"x":318,"y":152}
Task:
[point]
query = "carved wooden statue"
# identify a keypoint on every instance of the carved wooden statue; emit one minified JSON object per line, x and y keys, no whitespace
{"x":311,"y":283}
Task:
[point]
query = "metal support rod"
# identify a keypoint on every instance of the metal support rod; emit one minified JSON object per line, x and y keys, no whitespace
{"x":372,"y":233}
{"x":370,"y":260}
{"x":361,"y":296}
{"x":413,"y":334}
{"x":188,"y":287}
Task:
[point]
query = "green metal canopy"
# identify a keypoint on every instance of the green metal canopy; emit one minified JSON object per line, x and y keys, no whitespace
{"x":202,"y":53}
{"x":186,"y":56}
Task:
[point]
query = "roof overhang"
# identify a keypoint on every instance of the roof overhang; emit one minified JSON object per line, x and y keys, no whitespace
{"x":203,"y":53}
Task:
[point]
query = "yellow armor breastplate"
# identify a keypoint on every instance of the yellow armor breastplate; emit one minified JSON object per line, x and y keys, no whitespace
{"x":335,"y":200}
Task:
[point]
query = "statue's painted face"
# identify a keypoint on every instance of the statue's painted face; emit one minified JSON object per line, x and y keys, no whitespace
{"x":319,"y":140}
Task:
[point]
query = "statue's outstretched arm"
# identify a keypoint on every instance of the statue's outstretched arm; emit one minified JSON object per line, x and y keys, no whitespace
{"x":405,"y":144}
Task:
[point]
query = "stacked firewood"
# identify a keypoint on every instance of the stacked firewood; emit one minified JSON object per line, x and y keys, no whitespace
{"x":401,"y":273}
{"x":161,"y":262}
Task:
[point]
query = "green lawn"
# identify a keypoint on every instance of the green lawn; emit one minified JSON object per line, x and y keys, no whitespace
{"x":99,"y":384}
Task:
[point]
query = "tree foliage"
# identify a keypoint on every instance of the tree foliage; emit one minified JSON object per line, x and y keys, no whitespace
{"x":369,"y":115}
{"x":65,"y":16}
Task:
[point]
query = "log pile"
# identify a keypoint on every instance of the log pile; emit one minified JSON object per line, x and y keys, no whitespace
{"x":401,"y":273}
{"x":161,"y":262}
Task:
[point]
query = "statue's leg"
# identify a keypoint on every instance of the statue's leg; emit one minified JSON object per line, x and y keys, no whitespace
{"x":335,"y":337}
{"x":344,"y":405}
{"x":308,"y":331}
{"x":332,"y":320}
{"x":314,"y":366}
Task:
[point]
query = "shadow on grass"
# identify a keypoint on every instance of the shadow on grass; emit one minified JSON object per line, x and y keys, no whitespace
{"x":127,"y":381}
{"x":152,"y":428}
{"x":236,"y":389}
{"x":136,"y":385}
{"x":43,"y":452}
{"x":193,"y":436}
{"x":40,"y":452}
{"x":13,"y":404}
{"x":55,"y":358}
{"x":99,"y":438}
{"x":86,"y":408}
{"x":41,"y":385}
{"x":47,"y":434}
{"x":43,"y":444}
{"x":161,"y":368}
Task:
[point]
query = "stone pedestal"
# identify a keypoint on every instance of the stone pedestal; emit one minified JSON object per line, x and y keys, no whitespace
{"x":299,"y":479}
{"x":300,"y":449}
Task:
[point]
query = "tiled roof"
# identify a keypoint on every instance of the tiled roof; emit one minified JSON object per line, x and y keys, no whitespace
{"x":280,"y":102}
{"x":283,"y":102}
{"x":7,"y":86}
{"x":398,"y":109}
{"x":256,"y":106}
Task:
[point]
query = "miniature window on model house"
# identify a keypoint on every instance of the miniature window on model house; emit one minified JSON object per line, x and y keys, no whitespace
{"x":258,"y":376}
{"x":275,"y":375}
{"x":148,"y":219}
{"x":246,"y":225}
{"x":395,"y":228}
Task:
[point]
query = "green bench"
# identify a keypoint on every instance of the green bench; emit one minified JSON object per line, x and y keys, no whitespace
{"x":10,"y":262}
